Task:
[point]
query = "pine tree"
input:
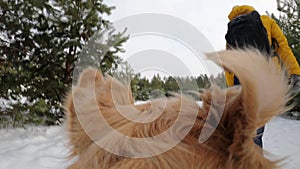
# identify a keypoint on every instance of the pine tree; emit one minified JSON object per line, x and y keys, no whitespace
{"x":40,"y":43}
{"x":144,"y":89}
{"x":156,"y":82}
{"x":156,"y":87}
{"x":171,"y":84}
{"x":289,"y":21}
{"x":203,"y":81}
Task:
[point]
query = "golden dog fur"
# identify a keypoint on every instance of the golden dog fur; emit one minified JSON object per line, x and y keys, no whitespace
{"x":262,"y":95}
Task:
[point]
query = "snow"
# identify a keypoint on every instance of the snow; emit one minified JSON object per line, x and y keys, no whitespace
{"x":282,"y":139}
{"x":45,"y":147}
{"x":33,"y":148}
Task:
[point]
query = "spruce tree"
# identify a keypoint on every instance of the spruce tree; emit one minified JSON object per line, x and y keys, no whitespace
{"x":40,"y":43}
{"x":289,"y":21}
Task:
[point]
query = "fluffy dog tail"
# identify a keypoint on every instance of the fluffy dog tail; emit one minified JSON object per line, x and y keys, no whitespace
{"x":265,"y":90}
{"x":263,"y":94}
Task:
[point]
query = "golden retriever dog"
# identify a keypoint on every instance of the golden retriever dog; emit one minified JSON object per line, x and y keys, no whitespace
{"x":107,"y":130}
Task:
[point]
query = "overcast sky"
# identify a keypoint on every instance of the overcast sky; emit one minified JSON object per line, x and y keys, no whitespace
{"x":209,"y":17}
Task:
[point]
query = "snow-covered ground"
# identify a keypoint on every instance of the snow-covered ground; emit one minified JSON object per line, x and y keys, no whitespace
{"x":282,"y":139}
{"x":45,"y":147}
{"x":33,"y":148}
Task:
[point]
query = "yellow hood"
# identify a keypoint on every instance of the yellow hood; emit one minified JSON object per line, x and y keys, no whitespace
{"x":239,"y":10}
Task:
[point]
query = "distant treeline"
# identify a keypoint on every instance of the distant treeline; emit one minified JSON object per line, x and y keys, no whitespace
{"x":144,"y":89}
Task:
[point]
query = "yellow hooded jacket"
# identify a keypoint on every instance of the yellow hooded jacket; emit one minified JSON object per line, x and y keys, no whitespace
{"x":284,"y":51}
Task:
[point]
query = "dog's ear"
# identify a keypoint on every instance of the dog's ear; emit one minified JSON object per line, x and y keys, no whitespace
{"x":265,"y":90}
{"x":90,"y":78}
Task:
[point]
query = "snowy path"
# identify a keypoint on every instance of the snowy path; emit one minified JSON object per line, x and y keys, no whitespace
{"x":44,"y":147}
{"x":282,"y":138}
